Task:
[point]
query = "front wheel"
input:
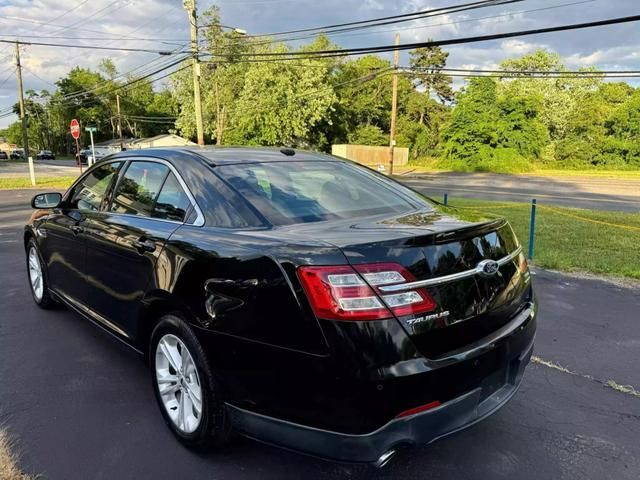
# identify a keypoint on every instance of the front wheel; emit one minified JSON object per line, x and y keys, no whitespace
{"x":38,"y":277}
{"x":187,"y":393}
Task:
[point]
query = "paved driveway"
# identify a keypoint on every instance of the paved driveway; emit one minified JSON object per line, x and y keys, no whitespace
{"x":80,"y":405}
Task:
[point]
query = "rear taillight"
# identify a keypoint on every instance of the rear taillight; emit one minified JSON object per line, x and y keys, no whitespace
{"x":341,"y":292}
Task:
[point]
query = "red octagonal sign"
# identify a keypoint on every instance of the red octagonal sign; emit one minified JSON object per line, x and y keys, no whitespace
{"x":75,"y":129}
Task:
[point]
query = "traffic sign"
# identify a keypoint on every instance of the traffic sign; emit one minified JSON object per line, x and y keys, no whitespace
{"x":75,"y":129}
{"x":90,"y":129}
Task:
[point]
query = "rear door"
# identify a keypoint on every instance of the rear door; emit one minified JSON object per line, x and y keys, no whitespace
{"x":125,"y":239}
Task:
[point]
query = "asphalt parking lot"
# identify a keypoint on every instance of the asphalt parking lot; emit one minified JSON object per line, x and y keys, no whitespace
{"x":79,"y":405}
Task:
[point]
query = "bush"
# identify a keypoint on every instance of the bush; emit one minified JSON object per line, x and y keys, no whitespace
{"x":369,"y":135}
{"x":496,"y":160}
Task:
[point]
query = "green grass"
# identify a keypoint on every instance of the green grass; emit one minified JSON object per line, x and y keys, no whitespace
{"x":571,"y":244}
{"x":435,"y":164}
{"x":544,"y":172}
{"x":41,"y":182}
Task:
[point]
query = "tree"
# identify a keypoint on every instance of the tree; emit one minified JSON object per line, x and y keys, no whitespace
{"x":490,"y":131}
{"x":368,"y":135}
{"x":427,"y":63}
{"x":622,"y":145}
{"x":559,"y":95}
{"x":280,"y":103}
{"x":471,"y":131}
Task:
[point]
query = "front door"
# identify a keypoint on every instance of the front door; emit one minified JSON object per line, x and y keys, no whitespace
{"x":125,"y":240}
{"x":64,"y":248}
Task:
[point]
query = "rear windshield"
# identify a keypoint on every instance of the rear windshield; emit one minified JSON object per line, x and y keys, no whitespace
{"x":300,"y":192}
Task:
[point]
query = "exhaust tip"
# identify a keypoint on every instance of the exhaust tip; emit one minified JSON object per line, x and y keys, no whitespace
{"x":385,"y":458}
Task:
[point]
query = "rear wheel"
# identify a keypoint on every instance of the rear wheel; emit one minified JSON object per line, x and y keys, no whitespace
{"x":187,"y":393}
{"x":38,"y":277}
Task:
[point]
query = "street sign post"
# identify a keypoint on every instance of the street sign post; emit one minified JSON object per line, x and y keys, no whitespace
{"x":75,"y":133}
{"x":93,"y":149}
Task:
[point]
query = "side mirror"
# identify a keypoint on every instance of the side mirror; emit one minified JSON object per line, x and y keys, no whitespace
{"x":46,"y":200}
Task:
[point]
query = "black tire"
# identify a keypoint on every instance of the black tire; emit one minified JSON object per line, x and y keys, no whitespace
{"x":214,"y":428}
{"x":46,"y":301}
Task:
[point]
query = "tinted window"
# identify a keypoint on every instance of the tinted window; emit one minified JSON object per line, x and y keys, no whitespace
{"x":90,"y":192}
{"x":172,"y":203}
{"x":138,"y":188}
{"x":297,"y":192}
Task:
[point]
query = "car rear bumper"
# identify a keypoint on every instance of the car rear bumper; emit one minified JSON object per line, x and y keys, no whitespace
{"x":422,"y":428}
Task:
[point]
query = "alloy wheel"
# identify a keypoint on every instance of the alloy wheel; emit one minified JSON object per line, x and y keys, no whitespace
{"x":178,"y":383}
{"x":35,"y":274}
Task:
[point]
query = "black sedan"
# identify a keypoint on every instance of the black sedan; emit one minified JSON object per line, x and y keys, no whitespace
{"x":296,"y":298}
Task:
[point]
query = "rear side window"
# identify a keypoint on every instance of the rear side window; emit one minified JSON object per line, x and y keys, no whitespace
{"x":300,"y":192}
{"x":90,"y":192}
{"x":172,"y":203}
{"x":138,"y":188}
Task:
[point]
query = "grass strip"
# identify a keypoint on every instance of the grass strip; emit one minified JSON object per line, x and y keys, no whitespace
{"x":572,"y":239}
{"x":41,"y":182}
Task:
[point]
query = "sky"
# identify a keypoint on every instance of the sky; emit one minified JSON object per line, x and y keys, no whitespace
{"x":163,"y":25}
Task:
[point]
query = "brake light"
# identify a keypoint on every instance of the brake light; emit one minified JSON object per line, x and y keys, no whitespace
{"x":341,"y":292}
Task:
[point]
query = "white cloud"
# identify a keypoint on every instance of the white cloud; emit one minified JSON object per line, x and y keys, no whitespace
{"x":371,"y":5}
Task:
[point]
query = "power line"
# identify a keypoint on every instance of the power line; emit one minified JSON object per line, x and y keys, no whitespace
{"x":433,"y":43}
{"x":38,"y":76}
{"x":392,"y":18}
{"x":8,"y":77}
{"x":430,"y":25}
{"x":93,"y":47}
{"x":84,"y":19}
{"x":520,"y":72}
{"x":119,"y":38}
{"x":515,"y":75}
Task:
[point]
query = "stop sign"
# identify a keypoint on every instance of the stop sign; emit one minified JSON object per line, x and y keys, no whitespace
{"x":75,"y":129}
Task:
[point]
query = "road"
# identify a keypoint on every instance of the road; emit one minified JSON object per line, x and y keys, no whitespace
{"x":80,"y":405}
{"x":580,"y":192}
{"x":43,"y":168}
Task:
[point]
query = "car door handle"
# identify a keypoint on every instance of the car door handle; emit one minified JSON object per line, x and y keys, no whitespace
{"x":76,"y":229}
{"x":143,"y":245}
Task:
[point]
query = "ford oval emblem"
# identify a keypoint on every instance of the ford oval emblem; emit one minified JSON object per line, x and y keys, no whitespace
{"x":487,"y":268}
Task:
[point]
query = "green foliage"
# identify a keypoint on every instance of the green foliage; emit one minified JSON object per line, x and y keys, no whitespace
{"x":492,"y":124}
{"x":493,"y":132}
{"x":428,"y":62}
{"x":369,"y":135}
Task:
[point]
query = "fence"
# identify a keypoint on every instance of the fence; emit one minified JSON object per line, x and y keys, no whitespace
{"x":371,"y":156}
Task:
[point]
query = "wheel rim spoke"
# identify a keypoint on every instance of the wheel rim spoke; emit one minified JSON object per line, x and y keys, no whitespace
{"x":169,"y":355}
{"x":35,"y":274}
{"x":178,"y":383}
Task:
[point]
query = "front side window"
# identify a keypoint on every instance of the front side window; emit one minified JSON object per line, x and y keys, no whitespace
{"x":138,"y":188}
{"x":90,"y":192}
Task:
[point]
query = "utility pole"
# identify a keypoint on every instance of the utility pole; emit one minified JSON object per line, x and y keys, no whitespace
{"x":394,"y":105}
{"x":23,"y":117}
{"x":119,"y":122}
{"x":190,"y":6}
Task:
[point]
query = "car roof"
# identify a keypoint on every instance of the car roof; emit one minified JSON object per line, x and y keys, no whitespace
{"x":231,"y":155}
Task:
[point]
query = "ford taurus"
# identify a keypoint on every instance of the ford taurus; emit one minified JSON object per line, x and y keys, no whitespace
{"x":296,"y":298}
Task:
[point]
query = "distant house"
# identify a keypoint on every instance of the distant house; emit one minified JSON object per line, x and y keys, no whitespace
{"x":6,"y":147}
{"x":165,"y":140}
